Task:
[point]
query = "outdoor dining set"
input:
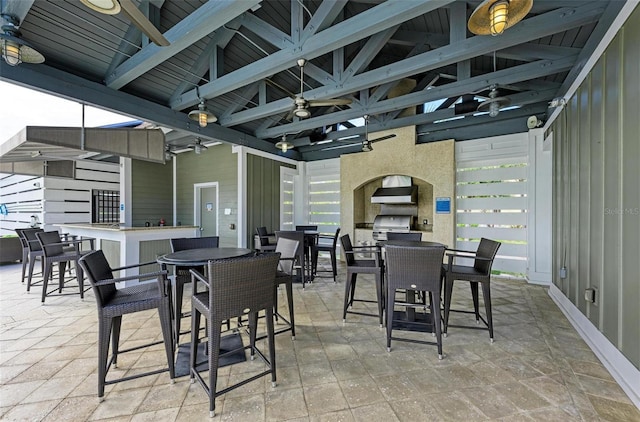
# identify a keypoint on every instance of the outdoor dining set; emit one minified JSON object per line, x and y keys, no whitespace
{"x":233,"y":288}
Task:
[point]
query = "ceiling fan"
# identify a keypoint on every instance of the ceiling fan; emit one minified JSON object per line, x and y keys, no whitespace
{"x":494,"y":103}
{"x":198,"y":146}
{"x":366,"y":142}
{"x":113,"y":7}
{"x":301,"y":105}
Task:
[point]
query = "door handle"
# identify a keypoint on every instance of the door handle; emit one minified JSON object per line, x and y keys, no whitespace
{"x":201,"y":229}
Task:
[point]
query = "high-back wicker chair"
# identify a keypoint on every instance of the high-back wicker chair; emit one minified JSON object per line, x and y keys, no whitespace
{"x":237,"y":287}
{"x":303,"y":272}
{"x":265,"y":243}
{"x":326,"y":244}
{"x":54,"y":251}
{"x":479,"y":273}
{"x":414,"y":269}
{"x":362,"y":266}
{"x":184,"y":277}
{"x":287,"y":248}
{"x":24,"y":242}
{"x":113,"y":303}
{"x":35,"y":252}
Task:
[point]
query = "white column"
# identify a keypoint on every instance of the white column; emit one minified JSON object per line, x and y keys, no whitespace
{"x":540,"y":212}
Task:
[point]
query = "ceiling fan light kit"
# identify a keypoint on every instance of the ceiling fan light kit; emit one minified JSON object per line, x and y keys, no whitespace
{"x":129,"y":8}
{"x":493,"y":17}
{"x":14,"y":49}
{"x":284,"y":145}
{"x":202,"y":115}
{"x":494,"y":103}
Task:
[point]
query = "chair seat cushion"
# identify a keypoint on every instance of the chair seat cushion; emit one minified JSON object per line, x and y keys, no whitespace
{"x":201,"y":301}
{"x":464,"y":271}
{"x":137,"y":298}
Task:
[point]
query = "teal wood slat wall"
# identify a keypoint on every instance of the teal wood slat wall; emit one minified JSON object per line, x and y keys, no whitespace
{"x":151,"y":193}
{"x":597,"y":192}
{"x":215,"y":164}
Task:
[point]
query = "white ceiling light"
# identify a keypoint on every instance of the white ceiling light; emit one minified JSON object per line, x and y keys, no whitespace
{"x":284,"y":145}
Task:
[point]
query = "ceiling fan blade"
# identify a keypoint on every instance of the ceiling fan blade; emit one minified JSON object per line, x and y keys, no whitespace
{"x":330,"y":102}
{"x":341,"y":146}
{"x":141,"y":21}
{"x":393,"y":135}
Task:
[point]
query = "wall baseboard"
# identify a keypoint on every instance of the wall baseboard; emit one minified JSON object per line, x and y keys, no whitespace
{"x":622,"y":370}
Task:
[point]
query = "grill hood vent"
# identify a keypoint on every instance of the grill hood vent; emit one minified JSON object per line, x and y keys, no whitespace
{"x":399,"y":195}
{"x":396,"y":190}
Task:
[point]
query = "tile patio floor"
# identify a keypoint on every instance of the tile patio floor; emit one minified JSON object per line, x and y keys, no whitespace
{"x":538,"y":369}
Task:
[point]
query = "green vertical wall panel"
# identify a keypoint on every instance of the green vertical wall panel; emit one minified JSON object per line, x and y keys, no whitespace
{"x":597,"y":192}
{"x":611,"y":288}
{"x":630,"y":85}
{"x":151,"y":193}
{"x":263,"y":194}
{"x":216,"y":164}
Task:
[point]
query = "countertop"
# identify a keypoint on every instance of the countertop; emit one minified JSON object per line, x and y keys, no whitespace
{"x":121,"y":228}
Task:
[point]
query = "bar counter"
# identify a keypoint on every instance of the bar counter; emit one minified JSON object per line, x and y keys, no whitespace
{"x":126,"y":245}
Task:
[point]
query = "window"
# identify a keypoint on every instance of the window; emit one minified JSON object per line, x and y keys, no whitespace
{"x":105,"y":206}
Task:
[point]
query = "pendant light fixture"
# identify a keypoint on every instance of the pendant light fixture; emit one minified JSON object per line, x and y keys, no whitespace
{"x":284,"y":145}
{"x":202,"y":115}
{"x":14,"y":49}
{"x":492,"y":17}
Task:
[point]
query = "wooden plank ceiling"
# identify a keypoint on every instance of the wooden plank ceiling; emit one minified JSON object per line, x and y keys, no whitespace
{"x":240,"y":57}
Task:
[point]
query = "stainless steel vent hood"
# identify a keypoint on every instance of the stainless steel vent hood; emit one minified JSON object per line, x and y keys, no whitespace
{"x":396,"y":190}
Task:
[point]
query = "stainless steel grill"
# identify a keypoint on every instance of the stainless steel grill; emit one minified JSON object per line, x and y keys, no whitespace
{"x":386,"y":223}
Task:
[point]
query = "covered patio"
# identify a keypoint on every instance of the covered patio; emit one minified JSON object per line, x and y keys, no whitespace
{"x":538,"y":368}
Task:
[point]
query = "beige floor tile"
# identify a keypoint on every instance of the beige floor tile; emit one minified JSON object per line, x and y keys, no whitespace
{"x":333,"y":371}
{"x":283,"y":404}
{"x":361,"y":391}
{"x":31,"y":411}
{"x":324,"y":398}
{"x":382,"y":412}
{"x":614,"y":411}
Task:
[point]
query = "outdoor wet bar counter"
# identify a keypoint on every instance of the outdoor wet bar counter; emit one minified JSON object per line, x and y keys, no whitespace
{"x":125,"y":245}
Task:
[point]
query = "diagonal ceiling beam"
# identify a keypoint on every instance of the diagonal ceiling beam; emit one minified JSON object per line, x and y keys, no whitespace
{"x":328,"y":11}
{"x":367,"y":23}
{"x":528,"y":29}
{"x":506,"y":76}
{"x":266,"y":31}
{"x":201,"y":65}
{"x":205,"y":20}
{"x":16,"y":8}
{"x":368,"y":52}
